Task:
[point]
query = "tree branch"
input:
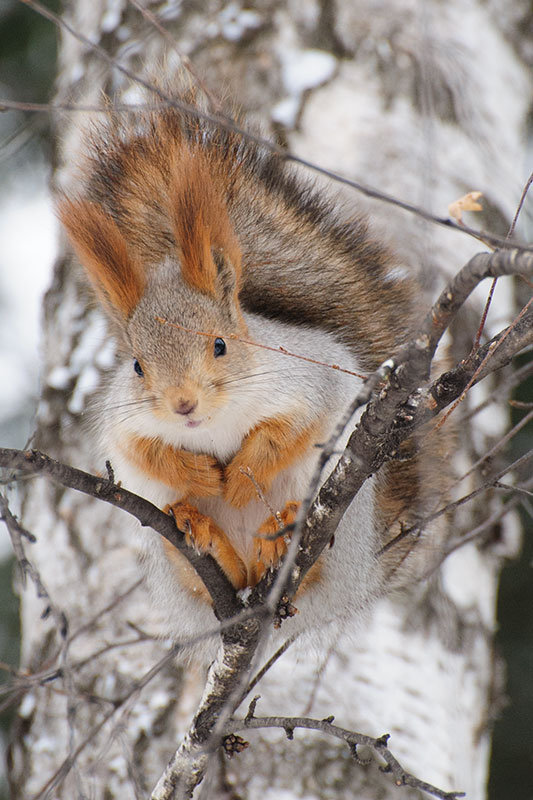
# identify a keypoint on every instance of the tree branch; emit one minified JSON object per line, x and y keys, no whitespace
{"x":401,"y":406}
{"x":378,"y":746}
{"x":30,"y":462}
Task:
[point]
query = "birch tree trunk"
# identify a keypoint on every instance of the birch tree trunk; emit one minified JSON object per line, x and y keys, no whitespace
{"x":424,"y":101}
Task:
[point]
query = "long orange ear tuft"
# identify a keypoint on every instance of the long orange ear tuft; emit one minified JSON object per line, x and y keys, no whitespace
{"x":117,"y":278}
{"x":201,"y":223}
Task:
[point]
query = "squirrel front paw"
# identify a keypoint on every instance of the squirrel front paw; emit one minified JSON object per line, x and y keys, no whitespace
{"x":202,"y":533}
{"x":203,"y":476}
{"x":268,"y":551}
{"x":239,"y":489}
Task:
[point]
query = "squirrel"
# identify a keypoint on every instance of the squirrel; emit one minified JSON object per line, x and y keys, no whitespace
{"x":198,"y":242}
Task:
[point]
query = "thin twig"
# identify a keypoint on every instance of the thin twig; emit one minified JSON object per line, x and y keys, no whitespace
{"x":479,"y":369}
{"x":185,"y":60}
{"x":520,"y":206}
{"x":281,"y":350}
{"x":498,"y":446}
{"x":17,"y":533}
{"x":484,"y":315}
{"x":261,"y":495}
{"x":271,"y":661}
{"x":62,"y":771}
{"x":224,"y":122}
{"x":455,"y":504}
{"x":379,"y":746}
{"x":109,"y":607}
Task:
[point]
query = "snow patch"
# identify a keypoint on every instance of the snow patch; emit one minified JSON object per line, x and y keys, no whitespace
{"x":109,"y":684}
{"x":76,"y":73}
{"x":105,"y":357}
{"x":244,"y":594}
{"x":475,"y":595}
{"x":111,"y":17}
{"x":27,"y":706}
{"x":158,"y":700}
{"x":133,"y":96}
{"x":123,"y":33}
{"x":286,"y":111}
{"x":305,"y":69}
{"x":45,"y":744}
{"x":86,"y":384}
{"x":59,"y":378}
{"x":320,"y":511}
{"x":118,"y":766}
{"x":25,"y":270}
{"x":236,"y":22}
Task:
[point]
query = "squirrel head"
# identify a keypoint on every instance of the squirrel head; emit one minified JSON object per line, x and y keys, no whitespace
{"x":181,"y":345}
{"x":177,"y":318}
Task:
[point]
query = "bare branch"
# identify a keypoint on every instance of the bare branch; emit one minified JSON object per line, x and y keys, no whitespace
{"x":30,"y":462}
{"x":378,"y":746}
{"x":222,"y":694}
{"x":184,"y":58}
{"x":520,"y":205}
{"x":17,"y":533}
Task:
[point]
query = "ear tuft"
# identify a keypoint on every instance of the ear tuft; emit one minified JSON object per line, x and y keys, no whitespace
{"x":101,"y":248}
{"x":201,"y":223}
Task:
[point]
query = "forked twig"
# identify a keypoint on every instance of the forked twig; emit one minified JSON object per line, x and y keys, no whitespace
{"x":378,"y":746}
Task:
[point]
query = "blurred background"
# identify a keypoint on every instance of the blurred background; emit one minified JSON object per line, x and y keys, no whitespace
{"x":28,"y":232}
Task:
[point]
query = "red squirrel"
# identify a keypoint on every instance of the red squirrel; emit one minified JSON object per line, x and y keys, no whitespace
{"x":198,"y":241}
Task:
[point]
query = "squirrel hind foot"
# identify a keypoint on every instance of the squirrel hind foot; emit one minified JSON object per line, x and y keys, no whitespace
{"x":269,"y":549}
{"x":202,"y":533}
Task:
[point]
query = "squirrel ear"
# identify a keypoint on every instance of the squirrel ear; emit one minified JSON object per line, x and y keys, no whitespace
{"x":227,"y":278}
{"x":116,"y":277}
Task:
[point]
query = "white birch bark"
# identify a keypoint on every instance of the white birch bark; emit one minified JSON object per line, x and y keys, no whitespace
{"x":425,"y":101}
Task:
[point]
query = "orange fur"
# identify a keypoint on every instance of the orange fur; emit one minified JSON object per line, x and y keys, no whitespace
{"x":269,"y":448}
{"x":201,"y":222}
{"x":204,"y":534}
{"x":193,"y":474}
{"x":101,"y":248}
{"x":267,"y":551}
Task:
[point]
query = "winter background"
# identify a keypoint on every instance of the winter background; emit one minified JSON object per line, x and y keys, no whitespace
{"x":28,"y":236}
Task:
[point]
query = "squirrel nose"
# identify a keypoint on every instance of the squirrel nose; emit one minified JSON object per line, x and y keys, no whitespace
{"x":185,"y":407}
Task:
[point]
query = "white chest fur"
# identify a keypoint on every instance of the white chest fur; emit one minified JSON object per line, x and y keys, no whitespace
{"x":317,"y":391}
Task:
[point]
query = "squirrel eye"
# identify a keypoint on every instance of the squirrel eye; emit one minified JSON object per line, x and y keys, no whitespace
{"x":220,"y":347}
{"x":138,"y":369}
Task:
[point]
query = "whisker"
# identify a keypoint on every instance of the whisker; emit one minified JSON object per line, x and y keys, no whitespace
{"x":248,"y":376}
{"x":102,"y":405}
